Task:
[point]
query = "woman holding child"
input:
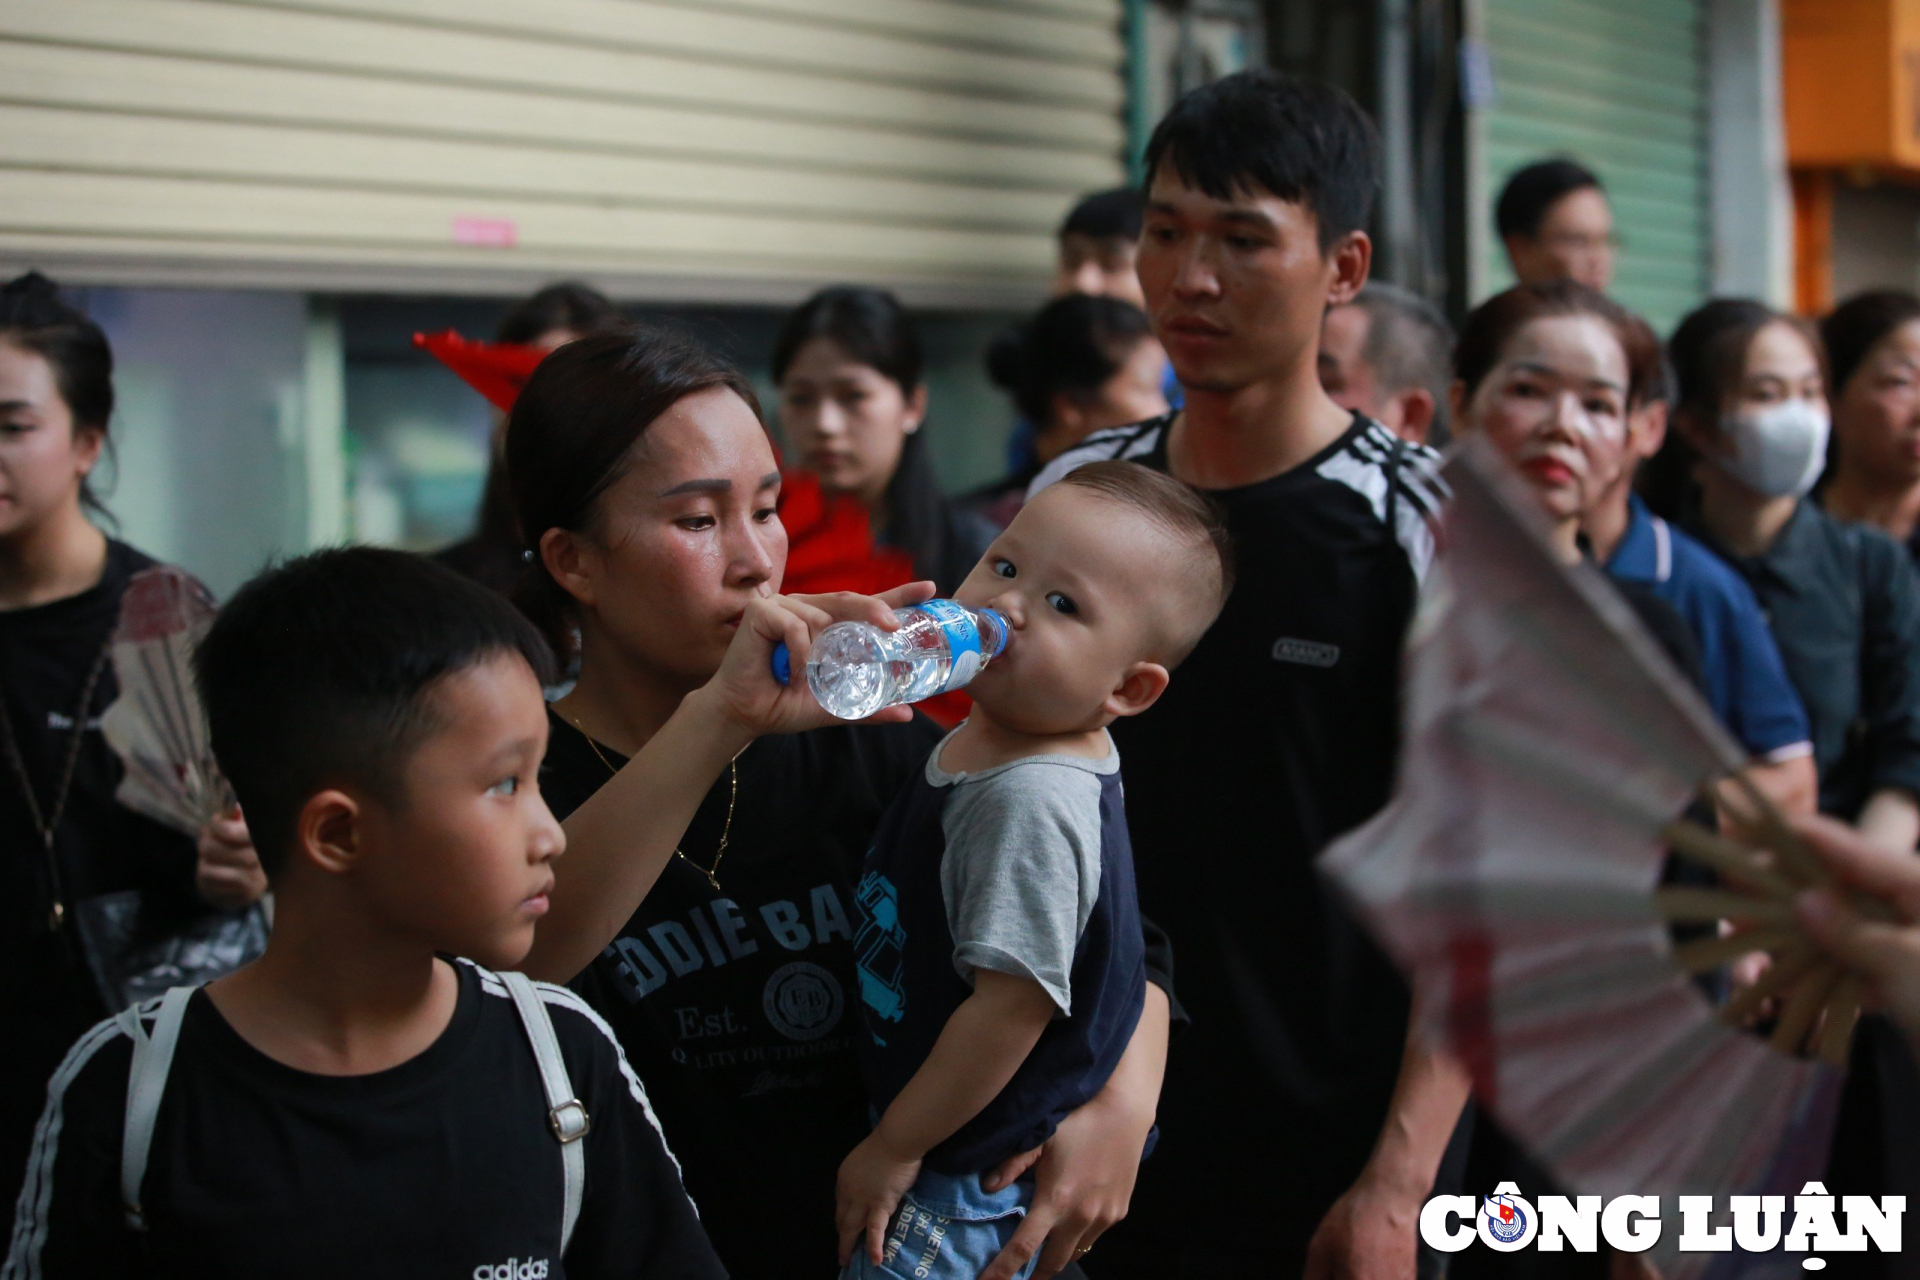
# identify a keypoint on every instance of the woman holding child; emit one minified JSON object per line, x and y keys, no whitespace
{"x":645,"y":480}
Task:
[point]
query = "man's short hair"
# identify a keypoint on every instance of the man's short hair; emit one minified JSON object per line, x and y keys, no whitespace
{"x":319,"y":671}
{"x":1409,"y":344}
{"x":1304,"y":142}
{"x":1194,"y":521}
{"x":1107,"y":215}
{"x":1532,"y":191}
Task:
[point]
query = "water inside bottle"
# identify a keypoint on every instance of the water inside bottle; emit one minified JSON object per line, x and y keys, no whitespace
{"x":855,"y":671}
{"x":920,"y":668}
{"x":849,"y":673}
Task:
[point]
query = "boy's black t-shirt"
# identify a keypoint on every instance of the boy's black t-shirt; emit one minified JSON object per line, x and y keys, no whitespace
{"x":738,"y":1008}
{"x":441,"y":1166}
{"x":1279,"y":733}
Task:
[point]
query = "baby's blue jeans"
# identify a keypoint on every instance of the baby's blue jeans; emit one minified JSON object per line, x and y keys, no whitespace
{"x":946,"y":1228}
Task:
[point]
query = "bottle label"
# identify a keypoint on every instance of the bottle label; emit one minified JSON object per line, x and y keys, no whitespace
{"x":963,"y":641}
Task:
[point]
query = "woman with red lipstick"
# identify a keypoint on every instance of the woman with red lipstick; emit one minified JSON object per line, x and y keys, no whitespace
{"x":1873,"y":344}
{"x":1547,"y":373}
{"x":1543,"y":372}
{"x":852,"y":405}
{"x":646,"y":482}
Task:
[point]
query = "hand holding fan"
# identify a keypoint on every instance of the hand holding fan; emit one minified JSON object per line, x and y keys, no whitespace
{"x":1548,"y":746}
{"x":156,"y":725}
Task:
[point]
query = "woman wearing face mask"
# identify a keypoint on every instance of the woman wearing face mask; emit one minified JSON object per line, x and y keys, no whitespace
{"x":1845,"y":610}
{"x":647,"y":485}
{"x":1840,"y":598}
{"x":852,"y":404}
{"x":65,"y":839}
{"x":1873,"y":343}
{"x":1081,"y":365}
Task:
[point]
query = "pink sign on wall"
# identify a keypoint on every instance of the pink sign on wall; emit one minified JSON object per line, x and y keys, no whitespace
{"x":488,"y":233}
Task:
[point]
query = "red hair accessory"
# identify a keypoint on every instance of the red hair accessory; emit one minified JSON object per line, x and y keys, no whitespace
{"x":497,"y":370}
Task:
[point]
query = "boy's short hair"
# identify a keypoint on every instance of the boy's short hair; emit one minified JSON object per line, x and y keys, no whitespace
{"x":1304,"y":142}
{"x":1107,"y":215}
{"x":1192,"y":518}
{"x":317,"y":673}
{"x":1531,"y":191}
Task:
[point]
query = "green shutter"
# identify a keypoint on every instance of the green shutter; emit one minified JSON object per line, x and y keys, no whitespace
{"x":1619,"y":85}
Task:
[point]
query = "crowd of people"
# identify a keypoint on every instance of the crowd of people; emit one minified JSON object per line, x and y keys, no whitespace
{"x":900,"y":997}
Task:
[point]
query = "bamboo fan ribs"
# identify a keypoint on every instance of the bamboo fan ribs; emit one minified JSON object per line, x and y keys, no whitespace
{"x":1524,"y":874}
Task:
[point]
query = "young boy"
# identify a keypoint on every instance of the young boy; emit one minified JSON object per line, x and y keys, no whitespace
{"x":999,"y":939}
{"x":355,"y":1103}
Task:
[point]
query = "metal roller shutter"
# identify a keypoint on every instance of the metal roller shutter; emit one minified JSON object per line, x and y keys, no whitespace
{"x":1621,"y":86}
{"x":743,"y":148}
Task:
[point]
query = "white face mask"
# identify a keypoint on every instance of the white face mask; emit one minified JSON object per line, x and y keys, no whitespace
{"x":1779,"y":450}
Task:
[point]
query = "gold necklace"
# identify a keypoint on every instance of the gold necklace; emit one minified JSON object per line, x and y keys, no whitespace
{"x":712,"y":873}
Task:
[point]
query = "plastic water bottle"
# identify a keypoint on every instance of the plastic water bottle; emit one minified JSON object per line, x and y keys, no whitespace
{"x":856,"y":669}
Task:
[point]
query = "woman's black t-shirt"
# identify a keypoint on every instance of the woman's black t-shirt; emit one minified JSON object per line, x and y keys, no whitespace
{"x":49,"y":997}
{"x":738,"y":1008}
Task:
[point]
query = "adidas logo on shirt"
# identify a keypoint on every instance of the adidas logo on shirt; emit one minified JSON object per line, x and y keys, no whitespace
{"x":512,"y":1269}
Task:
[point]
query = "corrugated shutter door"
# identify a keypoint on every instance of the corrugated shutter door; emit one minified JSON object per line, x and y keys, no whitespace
{"x":754,"y":147}
{"x":1619,"y":85}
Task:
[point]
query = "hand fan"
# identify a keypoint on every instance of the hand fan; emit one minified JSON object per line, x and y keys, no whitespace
{"x":1548,"y":748}
{"x":155,"y":724}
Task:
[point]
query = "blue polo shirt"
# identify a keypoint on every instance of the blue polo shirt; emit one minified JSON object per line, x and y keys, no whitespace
{"x":1746,"y":682}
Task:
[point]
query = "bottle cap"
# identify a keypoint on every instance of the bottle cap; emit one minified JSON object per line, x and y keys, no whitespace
{"x":782,"y":663}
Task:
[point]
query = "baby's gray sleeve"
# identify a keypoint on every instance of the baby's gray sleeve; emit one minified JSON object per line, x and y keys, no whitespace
{"x":1022,"y":871}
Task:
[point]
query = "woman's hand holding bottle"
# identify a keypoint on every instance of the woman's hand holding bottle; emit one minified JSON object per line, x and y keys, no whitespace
{"x":744,"y":688}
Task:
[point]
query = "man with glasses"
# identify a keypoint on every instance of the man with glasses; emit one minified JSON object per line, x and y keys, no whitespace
{"x":1554,"y":219}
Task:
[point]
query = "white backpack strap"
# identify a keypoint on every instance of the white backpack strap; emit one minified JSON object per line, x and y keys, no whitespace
{"x":146,"y":1085}
{"x":566,"y":1114}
